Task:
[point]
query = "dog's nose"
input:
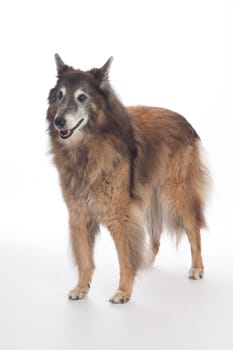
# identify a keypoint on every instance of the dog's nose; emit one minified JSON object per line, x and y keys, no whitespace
{"x":60,"y":122}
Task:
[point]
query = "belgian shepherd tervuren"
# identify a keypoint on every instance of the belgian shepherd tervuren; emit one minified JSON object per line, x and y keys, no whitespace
{"x":135,"y":170}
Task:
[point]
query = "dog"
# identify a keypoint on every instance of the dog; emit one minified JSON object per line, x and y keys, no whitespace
{"x":135,"y":170}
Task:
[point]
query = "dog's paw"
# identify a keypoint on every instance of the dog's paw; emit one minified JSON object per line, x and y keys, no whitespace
{"x":120,"y":298}
{"x":78,"y":293}
{"x":196,"y":274}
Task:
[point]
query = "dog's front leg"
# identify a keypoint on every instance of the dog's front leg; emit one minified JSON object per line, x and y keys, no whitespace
{"x":82,"y":233}
{"x":128,"y":236}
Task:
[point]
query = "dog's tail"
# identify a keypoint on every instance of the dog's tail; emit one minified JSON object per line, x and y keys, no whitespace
{"x":154,"y":224}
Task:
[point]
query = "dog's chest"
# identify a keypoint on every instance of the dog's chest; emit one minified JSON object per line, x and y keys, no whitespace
{"x":101,"y":197}
{"x":84,"y":173}
{"x":98,"y":179}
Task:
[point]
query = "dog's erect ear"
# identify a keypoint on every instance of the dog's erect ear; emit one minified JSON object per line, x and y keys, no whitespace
{"x":61,"y":66}
{"x":102,"y":74}
{"x":104,"y":71}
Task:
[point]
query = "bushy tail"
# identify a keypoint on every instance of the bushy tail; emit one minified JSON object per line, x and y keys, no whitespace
{"x":154,"y":223}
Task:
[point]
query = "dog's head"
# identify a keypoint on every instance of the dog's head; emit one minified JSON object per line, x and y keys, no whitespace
{"x":77,"y":99}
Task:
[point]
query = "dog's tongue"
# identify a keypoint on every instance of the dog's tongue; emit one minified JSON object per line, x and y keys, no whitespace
{"x":65,"y":133}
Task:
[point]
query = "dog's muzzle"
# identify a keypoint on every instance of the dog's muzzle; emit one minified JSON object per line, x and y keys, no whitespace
{"x":65,"y":133}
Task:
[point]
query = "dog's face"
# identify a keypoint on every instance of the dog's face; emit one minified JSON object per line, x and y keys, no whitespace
{"x":76,"y":99}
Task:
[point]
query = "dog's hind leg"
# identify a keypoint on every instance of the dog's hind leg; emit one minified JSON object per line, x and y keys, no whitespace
{"x":184,"y":195}
{"x":186,"y":215}
{"x":193,"y":220}
{"x":128,"y":235}
{"x":191,"y":217}
{"x":197,"y":269}
{"x":83,"y":233}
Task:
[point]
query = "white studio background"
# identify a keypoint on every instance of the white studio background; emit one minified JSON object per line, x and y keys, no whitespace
{"x":174,"y":54}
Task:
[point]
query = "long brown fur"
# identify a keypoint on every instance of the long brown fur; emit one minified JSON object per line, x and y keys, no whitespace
{"x":131,"y":169}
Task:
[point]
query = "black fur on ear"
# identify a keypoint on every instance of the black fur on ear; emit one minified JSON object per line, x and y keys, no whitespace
{"x":102,"y":74}
{"x":61,"y":66}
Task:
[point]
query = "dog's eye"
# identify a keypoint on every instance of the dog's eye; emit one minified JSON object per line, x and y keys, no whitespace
{"x":60,"y":95}
{"x":82,"y":98}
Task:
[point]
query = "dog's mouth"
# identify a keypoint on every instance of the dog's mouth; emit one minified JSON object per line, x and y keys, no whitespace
{"x":66,"y":133}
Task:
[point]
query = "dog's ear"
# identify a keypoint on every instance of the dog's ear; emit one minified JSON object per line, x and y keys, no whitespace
{"x":61,"y":66}
{"x":102,"y":74}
